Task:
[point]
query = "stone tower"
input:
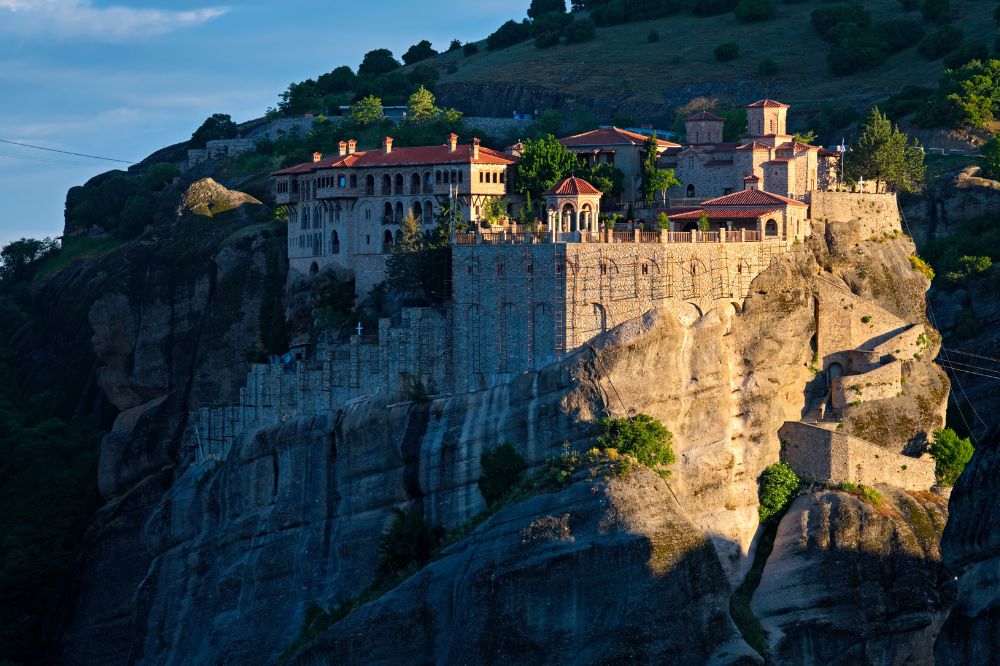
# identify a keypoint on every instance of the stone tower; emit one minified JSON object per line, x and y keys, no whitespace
{"x":766,"y":118}
{"x":704,"y":128}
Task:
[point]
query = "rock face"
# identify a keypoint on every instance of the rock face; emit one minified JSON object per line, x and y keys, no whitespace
{"x":851,"y":583}
{"x":218,"y":563}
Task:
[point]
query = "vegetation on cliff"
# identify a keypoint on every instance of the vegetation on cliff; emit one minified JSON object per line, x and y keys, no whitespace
{"x":951,"y":454}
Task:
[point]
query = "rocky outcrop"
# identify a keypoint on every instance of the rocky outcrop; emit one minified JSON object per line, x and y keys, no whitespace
{"x":849,"y":582}
{"x":208,"y":198}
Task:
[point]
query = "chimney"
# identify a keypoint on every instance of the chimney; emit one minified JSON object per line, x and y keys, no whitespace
{"x":352,"y":146}
{"x":387,"y":144}
{"x":475,"y":149}
{"x":452,"y":142}
{"x":317,"y":157}
{"x":343,"y":148}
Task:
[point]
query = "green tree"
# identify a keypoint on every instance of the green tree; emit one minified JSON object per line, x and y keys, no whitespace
{"x":703,"y":223}
{"x":470,"y":48}
{"x":751,"y":11}
{"x":951,"y":454}
{"x":641,"y":436}
{"x":216,"y":126}
{"x":605,"y":177}
{"x":18,"y":259}
{"x":969,"y":267}
{"x":503,"y":468}
{"x":494,"y":210}
{"x":938,"y":11}
{"x":409,"y":228}
{"x":159,"y":176}
{"x":544,"y":162}
{"x":377,"y":62}
{"x":778,"y":485}
{"x":508,"y":34}
{"x":455,"y":45}
{"x":807,"y":136}
{"x":885,"y":154}
{"x":422,"y":107}
{"x":366,"y":111}
{"x":991,"y":157}
{"x":539,"y":8}
{"x":969,"y":95}
{"x":410,"y":541}
{"x":420,"y":51}
{"x":663,"y":221}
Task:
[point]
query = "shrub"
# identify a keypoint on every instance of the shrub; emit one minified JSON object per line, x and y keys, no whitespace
{"x":502,"y":468}
{"x":767,"y":68}
{"x":509,"y":34}
{"x":470,"y":48}
{"x":940,"y":42}
{"x":455,"y":45}
{"x":938,"y":11}
{"x":752,"y":11}
{"x":860,"y":51}
{"x":866,"y":319}
{"x":547,"y":40}
{"x":713,"y":7}
{"x":777,"y":486}
{"x":641,"y":436}
{"x":909,"y":5}
{"x":899,"y":34}
{"x":726,"y":52}
{"x":420,"y":51}
{"x":580,"y":31}
{"x":830,"y":19}
{"x":409,"y":541}
{"x":911,"y":98}
{"x":969,"y":95}
{"x":653,"y":36}
{"x":866,"y":493}
{"x":951,"y":454}
{"x":966,"y":52}
{"x":991,"y":157}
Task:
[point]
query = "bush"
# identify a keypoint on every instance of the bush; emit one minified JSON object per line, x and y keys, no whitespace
{"x":409,"y":541}
{"x":420,"y":51}
{"x":938,"y":11}
{"x":580,"y":31}
{"x":966,"y":52}
{"x":547,"y":40}
{"x":867,"y":493}
{"x":470,"y":49}
{"x":509,"y":34}
{"x":777,"y":486}
{"x":641,"y":436}
{"x":951,"y":454}
{"x":726,"y":52}
{"x":653,"y":36}
{"x":922,"y":267}
{"x":940,"y":42}
{"x":899,"y":34}
{"x":767,"y":68}
{"x":713,"y":7}
{"x":969,"y":95}
{"x":217,"y":126}
{"x":455,"y":45}
{"x":829,"y":19}
{"x":502,"y":468}
{"x":861,"y":51}
{"x":991,"y":157}
{"x":908,"y":100}
{"x":909,"y":5}
{"x":752,"y":11}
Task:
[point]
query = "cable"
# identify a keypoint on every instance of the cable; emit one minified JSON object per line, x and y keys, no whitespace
{"x":985,"y":358}
{"x":65,"y":152}
{"x":46,"y":160}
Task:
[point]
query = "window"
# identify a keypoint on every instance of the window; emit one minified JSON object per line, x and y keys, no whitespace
{"x":604,"y":269}
{"x":354,"y":180}
{"x":727,"y":190}
{"x":496,"y":177}
{"x":770,"y":126}
{"x":559,"y":269}
{"x":437,"y":176}
{"x":501,"y":176}
{"x":645,"y":269}
{"x":500,"y":270}
{"x":460,"y":176}
{"x":342,"y":181}
{"x":472,"y":269}
{"x":368,"y":240}
{"x":529,"y":269}
{"x":697,"y":137}
{"x":481,"y":177}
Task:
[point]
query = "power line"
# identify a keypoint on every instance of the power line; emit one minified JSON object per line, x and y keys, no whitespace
{"x":985,"y":358}
{"x":65,"y":152}
{"x":46,"y":160}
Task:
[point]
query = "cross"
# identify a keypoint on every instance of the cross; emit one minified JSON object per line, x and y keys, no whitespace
{"x":360,"y":328}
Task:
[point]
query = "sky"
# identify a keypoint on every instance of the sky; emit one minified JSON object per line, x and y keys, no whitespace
{"x":123,"y":78}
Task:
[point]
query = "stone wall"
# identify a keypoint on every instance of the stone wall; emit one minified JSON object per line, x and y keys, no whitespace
{"x":875,"y":214}
{"x":497,"y":128}
{"x":878,"y":384}
{"x":831,"y":457}
{"x":847,"y":322}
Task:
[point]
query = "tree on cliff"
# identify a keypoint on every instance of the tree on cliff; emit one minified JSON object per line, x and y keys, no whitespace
{"x":379,"y":61}
{"x":216,"y":126}
{"x":655,"y":179}
{"x":885,"y":154}
{"x":19,"y":259}
{"x":366,"y":111}
{"x":420,"y":51}
{"x":991,"y":158}
{"x":951,"y":454}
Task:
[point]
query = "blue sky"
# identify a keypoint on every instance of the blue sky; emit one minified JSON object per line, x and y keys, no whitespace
{"x":123,"y":78}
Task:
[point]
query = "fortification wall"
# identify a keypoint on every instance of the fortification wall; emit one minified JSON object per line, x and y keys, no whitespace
{"x":874,"y":214}
{"x":846,"y":322}
{"x":878,"y":384}
{"x":498,"y":128}
{"x":832,"y":457}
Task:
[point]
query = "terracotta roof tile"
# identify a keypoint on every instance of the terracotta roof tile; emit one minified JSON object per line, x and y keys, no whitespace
{"x":756,"y":198}
{"x":767,"y":104}
{"x":705,"y":115}
{"x":573,"y":186}
{"x":421,"y":155}
{"x":754,"y":145}
{"x":610,"y":136}
{"x":716,"y":214}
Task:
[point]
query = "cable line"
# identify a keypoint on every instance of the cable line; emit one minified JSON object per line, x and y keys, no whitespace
{"x":65,"y":152}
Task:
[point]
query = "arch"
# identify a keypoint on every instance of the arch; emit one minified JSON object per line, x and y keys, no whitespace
{"x":399,"y":213}
{"x":600,"y":318}
{"x":428,"y":182}
{"x":690,"y":191}
{"x":835,"y":370}
{"x":334,"y":243}
{"x":386,"y":184}
{"x":370,"y":185}
{"x":387,"y":213}
{"x":398,"y":189}
{"x":744,"y":277}
{"x":415,"y":183}
{"x":418,"y":211}
{"x":428,"y":212}
{"x":387,"y":242}
{"x":651,"y":271}
{"x":567,"y":217}
{"x":313,"y":269}
{"x":399,"y":236}
{"x":771,"y":228}
{"x":700,"y":279}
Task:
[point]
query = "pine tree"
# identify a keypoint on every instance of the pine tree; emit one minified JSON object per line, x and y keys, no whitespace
{"x":885,"y":154}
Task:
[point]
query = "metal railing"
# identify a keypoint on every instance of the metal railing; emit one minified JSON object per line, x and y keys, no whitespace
{"x":521,"y":235}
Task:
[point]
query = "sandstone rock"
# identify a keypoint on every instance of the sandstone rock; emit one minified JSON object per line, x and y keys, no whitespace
{"x":208,"y":198}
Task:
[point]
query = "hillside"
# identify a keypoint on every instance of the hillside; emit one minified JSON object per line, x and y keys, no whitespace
{"x":621,"y":73}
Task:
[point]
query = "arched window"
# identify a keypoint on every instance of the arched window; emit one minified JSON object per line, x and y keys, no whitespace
{"x":335,"y":243}
{"x":415,"y":184}
{"x":771,"y":228}
{"x":354,"y":180}
{"x":313,"y":269}
{"x":387,"y":242}
{"x":399,"y":212}
{"x":370,"y":185}
{"x":399,"y":183}
{"x":690,"y":191}
{"x":386,"y":184}
{"x":428,"y":212}
{"x":437,"y":177}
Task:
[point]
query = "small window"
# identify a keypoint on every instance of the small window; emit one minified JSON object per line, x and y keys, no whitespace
{"x":368,"y":240}
{"x":500,"y":270}
{"x":437,"y":176}
{"x":460,"y":176}
{"x":559,"y":269}
{"x":496,"y":177}
{"x":529,"y":269}
{"x":354,"y":180}
{"x":645,"y":269}
{"x":501,"y":176}
{"x":472,"y":269}
{"x":341,"y":181}
{"x":481,"y":176}
{"x":604,"y":269}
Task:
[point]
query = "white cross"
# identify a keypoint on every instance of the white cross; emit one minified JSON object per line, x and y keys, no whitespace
{"x":360,"y":328}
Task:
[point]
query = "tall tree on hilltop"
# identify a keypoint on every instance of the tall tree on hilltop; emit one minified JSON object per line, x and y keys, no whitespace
{"x":544,"y":162}
{"x":885,"y":154}
{"x":421,"y":106}
{"x":366,"y":111}
{"x":420,"y":51}
{"x":379,"y":61}
{"x":655,"y":179}
{"x":543,"y":7}
{"x":216,"y":126}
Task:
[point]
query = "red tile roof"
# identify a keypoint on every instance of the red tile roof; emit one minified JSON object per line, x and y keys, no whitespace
{"x":767,"y":104}
{"x":573,"y":186}
{"x":778,"y":160}
{"x":754,"y":145}
{"x":705,"y":115}
{"x":417,"y":156}
{"x":792,"y":146}
{"x":828,"y":153}
{"x":716,"y":214}
{"x":610,"y":136}
{"x":751,"y":178}
{"x":753,"y":198}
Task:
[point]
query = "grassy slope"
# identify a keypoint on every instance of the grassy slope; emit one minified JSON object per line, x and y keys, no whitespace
{"x":621,"y":64}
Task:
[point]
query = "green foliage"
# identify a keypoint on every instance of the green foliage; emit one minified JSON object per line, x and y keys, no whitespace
{"x":420,"y":51}
{"x":856,"y":50}
{"x":640,"y":436}
{"x":503,"y":467}
{"x":539,"y":8}
{"x":990,"y":153}
{"x":366,"y":111}
{"x":216,"y":126}
{"x":409,"y":542}
{"x":907,"y":101}
{"x":777,"y":486}
{"x":703,"y":223}
{"x":546,"y":40}
{"x":544,"y":162}
{"x":456,"y":44}
{"x":752,"y":11}
{"x":884,"y":154}
{"x":470,"y":48}
{"x":969,"y":95}
{"x":663,"y":221}
{"x":655,"y":179}
{"x":767,"y":68}
{"x":975,"y":240}
{"x":21,"y":258}
{"x":899,"y":34}
{"x":333,"y":304}
{"x":951,"y":454}
{"x":831,"y":20}
{"x":509,"y":34}
{"x":379,"y":61}
{"x":940,"y":42}
{"x":420,"y":266}
{"x":159,"y":175}
{"x":866,"y":493}
{"x":966,"y":52}
{"x":969,"y":267}
{"x":937,"y":11}
{"x":726,"y":52}
{"x":422,"y":107}
{"x":580,"y":31}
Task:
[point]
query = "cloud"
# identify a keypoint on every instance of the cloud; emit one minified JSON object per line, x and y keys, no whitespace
{"x":81,"y":19}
